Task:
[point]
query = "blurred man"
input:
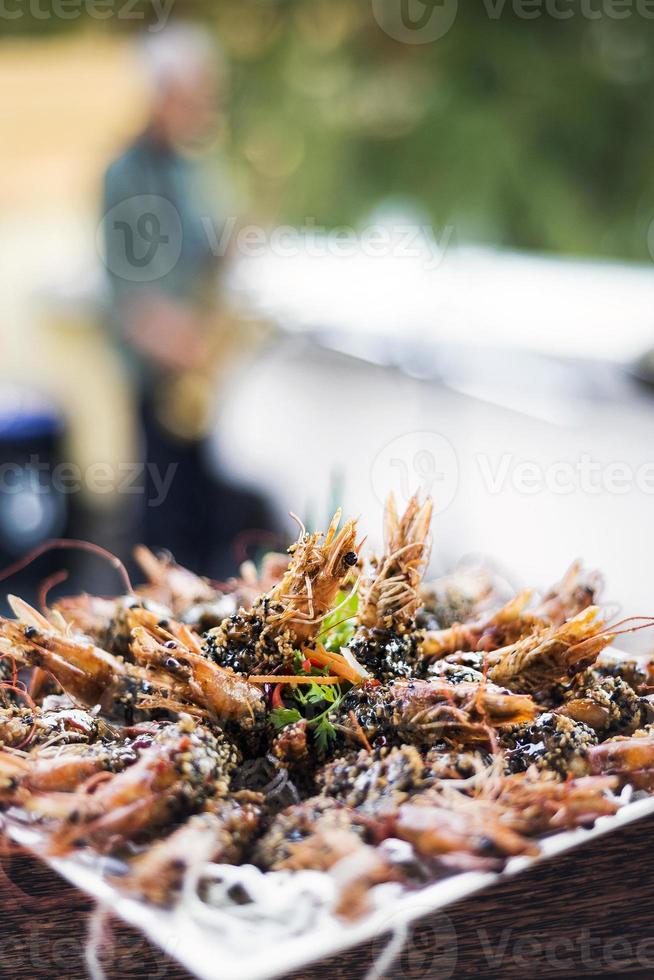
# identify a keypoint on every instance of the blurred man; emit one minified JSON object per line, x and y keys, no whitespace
{"x":158,"y":230}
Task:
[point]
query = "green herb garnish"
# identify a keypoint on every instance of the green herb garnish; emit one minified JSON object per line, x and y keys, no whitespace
{"x":324,"y":732}
{"x":338,"y":626}
{"x":316,"y":694}
{"x":281,"y":717}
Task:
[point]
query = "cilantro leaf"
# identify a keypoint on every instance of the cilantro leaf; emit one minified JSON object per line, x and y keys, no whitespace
{"x":338,"y":626}
{"x":324,"y":732}
{"x":317,"y":693}
{"x":281,"y":717}
{"x":327,"y":695}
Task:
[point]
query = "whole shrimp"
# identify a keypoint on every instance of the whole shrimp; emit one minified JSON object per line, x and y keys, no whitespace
{"x":459,"y":597}
{"x":460,"y":829}
{"x":551,"y":654}
{"x":460,"y":711}
{"x":514,"y":621}
{"x":391,"y":596}
{"x":36,"y":725}
{"x":424,"y":712}
{"x":174,"y":774}
{"x":536,"y":802}
{"x":506,"y":625}
{"x":526,"y":805}
{"x":321,"y":834}
{"x":220,"y":833}
{"x":265,"y":637}
{"x":89,"y":675}
{"x":384,"y":641}
{"x":171,"y":584}
{"x":176,"y":650}
{"x":209,"y":612}
{"x":64,"y":768}
{"x":629,"y":758}
{"x":577,"y":590}
{"x":104,"y":621}
{"x":170,"y":590}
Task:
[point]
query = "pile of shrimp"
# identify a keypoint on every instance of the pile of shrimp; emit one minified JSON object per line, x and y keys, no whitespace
{"x":314,"y":711}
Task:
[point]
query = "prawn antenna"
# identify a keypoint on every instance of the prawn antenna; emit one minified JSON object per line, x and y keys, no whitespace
{"x":71,"y":544}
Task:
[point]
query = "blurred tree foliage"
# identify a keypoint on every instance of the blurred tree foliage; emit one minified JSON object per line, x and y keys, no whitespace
{"x":533,"y":133}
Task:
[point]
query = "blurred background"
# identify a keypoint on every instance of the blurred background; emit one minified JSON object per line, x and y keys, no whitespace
{"x":420,"y":259}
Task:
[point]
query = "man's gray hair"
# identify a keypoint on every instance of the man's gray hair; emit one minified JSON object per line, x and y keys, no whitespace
{"x":177,"y":52}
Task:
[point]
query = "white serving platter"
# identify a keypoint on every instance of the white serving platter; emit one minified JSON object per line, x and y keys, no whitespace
{"x":248,"y":943}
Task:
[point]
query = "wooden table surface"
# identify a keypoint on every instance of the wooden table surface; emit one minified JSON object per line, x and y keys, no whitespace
{"x":589,"y":913}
